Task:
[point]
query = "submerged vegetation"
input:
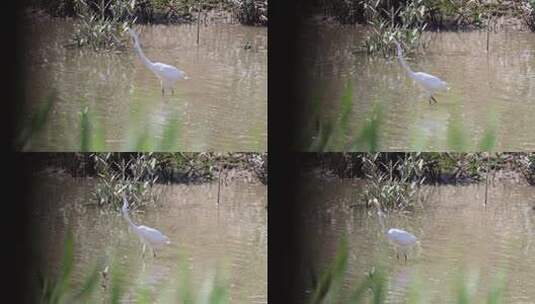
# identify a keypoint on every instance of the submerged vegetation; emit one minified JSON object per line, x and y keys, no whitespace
{"x":106,"y":284}
{"x":374,"y":287}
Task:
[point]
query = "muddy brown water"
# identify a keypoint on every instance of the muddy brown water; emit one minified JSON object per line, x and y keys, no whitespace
{"x":229,"y":241}
{"x":492,"y":91}
{"x":458,"y":236}
{"x":223,"y":106}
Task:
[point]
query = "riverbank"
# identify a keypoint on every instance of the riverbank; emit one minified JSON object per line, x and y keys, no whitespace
{"x":430,"y":168}
{"x":438,"y":15}
{"x":174,"y":168}
{"x":164,"y":11}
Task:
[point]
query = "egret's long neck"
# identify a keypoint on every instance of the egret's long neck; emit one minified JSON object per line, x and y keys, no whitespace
{"x":144,"y":58}
{"x":403,"y":62}
{"x":127,"y":218}
{"x":380,"y":215}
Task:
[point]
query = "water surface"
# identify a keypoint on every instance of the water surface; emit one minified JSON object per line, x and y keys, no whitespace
{"x":458,"y":236}
{"x":222,"y":107}
{"x":230,"y":240}
{"x":492,"y":91}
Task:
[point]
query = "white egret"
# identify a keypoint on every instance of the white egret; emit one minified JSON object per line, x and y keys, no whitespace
{"x":149,"y":236}
{"x":430,"y":83}
{"x":402,"y":239}
{"x":167,"y":74}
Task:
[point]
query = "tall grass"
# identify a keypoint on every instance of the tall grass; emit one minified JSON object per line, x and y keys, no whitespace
{"x":101,"y":24}
{"x":334,"y":132}
{"x":405,"y":23}
{"x":133,"y":177}
{"x":92,"y":134}
{"x":60,"y":288}
{"x":394,"y":183}
{"x":27,"y":130}
{"x":374,"y":287}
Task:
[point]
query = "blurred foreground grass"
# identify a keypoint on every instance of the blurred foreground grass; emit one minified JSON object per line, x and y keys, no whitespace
{"x":59,"y":288}
{"x":331,"y":133}
{"x":374,"y":288}
{"x":92,"y":134}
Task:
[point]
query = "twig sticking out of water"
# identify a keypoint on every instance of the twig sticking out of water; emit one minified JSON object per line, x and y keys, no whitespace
{"x":198,"y":22}
{"x":219,"y":187}
{"x":488,"y":33}
{"x":487,"y":179}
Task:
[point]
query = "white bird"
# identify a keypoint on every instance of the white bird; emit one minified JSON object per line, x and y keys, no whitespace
{"x":402,"y":239}
{"x":430,"y":83}
{"x":167,"y":74}
{"x":149,"y":236}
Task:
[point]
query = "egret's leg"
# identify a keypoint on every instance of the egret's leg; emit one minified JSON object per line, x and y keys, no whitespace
{"x":154,"y":252}
{"x":172,"y":91}
{"x":397,"y":255}
{"x":143,"y":251}
{"x":405,"y":257}
{"x":433,"y":98}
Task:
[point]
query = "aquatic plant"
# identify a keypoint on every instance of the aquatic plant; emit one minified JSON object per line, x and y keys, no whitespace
{"x":405,"y":23}
{"x":59,"y":289}
{"x":101,"y":24}
{"x":134,"y":176}
{"x":394,"y":183}
{"x":527,"y":12}
{"x":251,"y":12}
{"x":527,"y":165}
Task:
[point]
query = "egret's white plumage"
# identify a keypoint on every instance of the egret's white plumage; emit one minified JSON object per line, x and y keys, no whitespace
{"x":430,"y":83}
{"x":167,"y":74}
{"x":149,"y":236}
{"x":402,"y":239}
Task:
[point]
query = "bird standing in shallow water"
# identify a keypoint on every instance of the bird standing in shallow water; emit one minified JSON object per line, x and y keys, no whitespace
{"x":402,"y":239}
{"x":430,"y":83}
{"x":149,"y":236}
{"x":167,"y":74}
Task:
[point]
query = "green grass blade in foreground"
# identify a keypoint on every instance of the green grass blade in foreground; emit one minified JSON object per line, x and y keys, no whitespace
{"x":456,"y":137}
{"x":116,"y":284}
{"x":368,"y":138}
{"x":170,"y":135}
{"x":37,"y":123}
{"x":346,"y":107}
{"x":489,"y":135}
{"x":60,"y":288}
{"x":88,"y":286}
{"x":330,"y":282}
{"x":91,"y":136}
{"x":321,"y":142}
